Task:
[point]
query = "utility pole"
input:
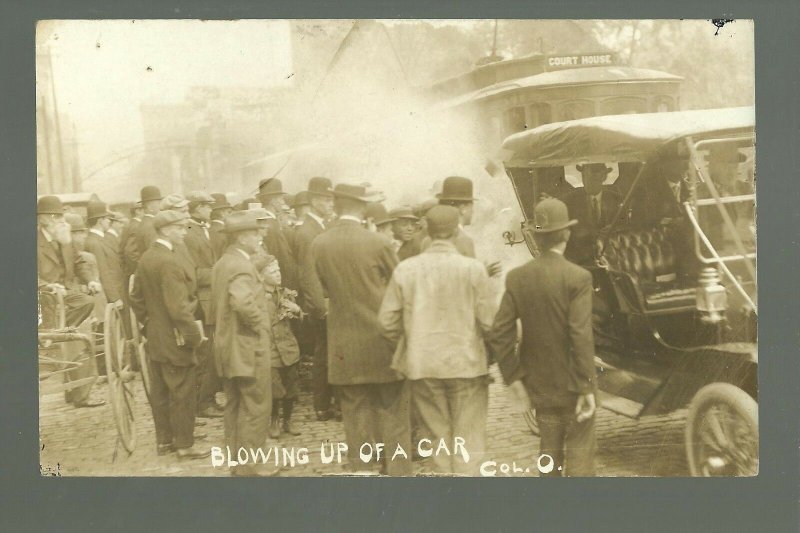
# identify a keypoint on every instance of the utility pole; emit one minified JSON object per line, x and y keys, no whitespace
{"x":57,"y":119}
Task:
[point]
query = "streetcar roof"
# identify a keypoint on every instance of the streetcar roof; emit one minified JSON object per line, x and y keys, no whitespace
{"x":621,"y":137}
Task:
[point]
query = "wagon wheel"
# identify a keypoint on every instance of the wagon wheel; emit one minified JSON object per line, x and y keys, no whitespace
{"x":722,"y":432}
{"x":136,"y":344}
{"x":120,"y":377}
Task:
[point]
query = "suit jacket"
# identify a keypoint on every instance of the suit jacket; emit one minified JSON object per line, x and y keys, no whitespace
{"x":312,"y":296}
{"x":55,"y":263}
{"x":276,"y":244}
{"x":113,"y":242}
{"x":163,"y":299}
{"x":108,"y":266}
{"x":242,"y":321}
{"x":202,"y":253}
{"x":581,"y":246}
{"x":354,"y":266}
{"x":145,"y":235}
{"x":128,"y":247}
{"x":661,"y":202}
{"x":219,"y":241}
{"x":552,"y":298}
{"x":413,"y":247}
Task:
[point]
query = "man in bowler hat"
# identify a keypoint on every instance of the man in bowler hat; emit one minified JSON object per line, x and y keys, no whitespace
{"x":271,"y":196}
{"x":554,"y":367}
{"x":144,"y":233}
{"x":354,"y":266}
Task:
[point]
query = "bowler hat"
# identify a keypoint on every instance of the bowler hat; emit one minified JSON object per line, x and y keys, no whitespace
{"x":551,"y":215}
{"x":403,"y":212}
{"x":49,"y":205}
{"x":174,"y":201}
{"x":270,"y":187}
{"x":456,"y":188}
{"x":299,"y":199}
{"x":97,"y":210}
{"x":75,"y":221}
{"x":320,"y":186}
{"x":240,"y":221}
{"x":220,"y":201}
{"x":442,"y":219}
{"x":605,"y":168}
{"x":150,"y":193}
{"x":354,"y":192}
{"x":377,"y":212}
{"x":168,"y":217}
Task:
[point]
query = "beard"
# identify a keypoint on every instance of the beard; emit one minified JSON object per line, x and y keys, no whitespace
{"x":62,"y":233}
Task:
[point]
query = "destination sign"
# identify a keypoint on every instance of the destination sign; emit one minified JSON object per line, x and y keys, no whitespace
{"x":580,"y":60}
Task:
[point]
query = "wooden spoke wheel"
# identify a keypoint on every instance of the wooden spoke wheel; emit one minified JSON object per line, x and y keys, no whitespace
{"x":722,"y":432}
{"x":136,"y":349}
{"x":120,"y":377}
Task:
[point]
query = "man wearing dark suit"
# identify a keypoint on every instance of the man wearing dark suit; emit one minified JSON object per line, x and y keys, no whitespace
{"x":270,"y":194}
{"x":244,"y":346}
{"x":354,"y":266}
{"x":198,"y":244}
{"x":113,"y":233}
{"x":163,"y":300}
{"x":145,"y":232}
{"x":404,"y":226}
{"x":108,"y":263}
{"x":127,"y":241}
{"x":554,"y":368}
{"x":312,"y":295}
{"x":594,"y":206}
{"x":219,"y":210}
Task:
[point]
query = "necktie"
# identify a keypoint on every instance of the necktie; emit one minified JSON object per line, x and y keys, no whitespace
{"x":595,"y":210}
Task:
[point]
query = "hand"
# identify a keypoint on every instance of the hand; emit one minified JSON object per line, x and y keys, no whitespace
{"x":493,"y":269}
{"x":291,"y":307}
{"x":585,"y":407}
{"x":57,"y":288}
{"x":118,"y":304}
{"x":520,"y":399}
{"x":94,"y":287}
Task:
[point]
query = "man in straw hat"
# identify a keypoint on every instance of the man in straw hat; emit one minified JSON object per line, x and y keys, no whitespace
{"x":554,"y":368}
{"x":440,"y":348}
{"x":243,"y":346}
{"x":354,"y":266}
{"x":163,"y":299}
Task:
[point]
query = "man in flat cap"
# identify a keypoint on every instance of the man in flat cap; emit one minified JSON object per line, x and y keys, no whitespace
{"x":163,"y":299}
{"x":108,"y":262}
{"x":405,"y":228}
{"x":270,"y":194}
{"x":142,"y":234}
{"x":198,"y":243}
{"x":312,"y":296}
{"x":437,"y":310}
{"x":354,"y":266}
{"x":554,"y":367}
{"x":243,"y":347}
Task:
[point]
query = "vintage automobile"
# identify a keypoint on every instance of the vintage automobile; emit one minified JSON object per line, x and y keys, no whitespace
{"x":675,"y":307}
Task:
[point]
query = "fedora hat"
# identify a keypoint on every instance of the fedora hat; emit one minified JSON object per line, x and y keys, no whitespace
{"x":456,"y":188}
{"x":378,"y":213}
{"x":220,"y":201}
{"x":320,"y":187}
{"x":270,"y":187}
{"x":75,"y":221}
{"x":581,"y":168}
{"x":354,"y":192}
{"x":299,"y":199}
{"x":169,"y":217}
{"x":150,"y":193}
{"x":97,"y":210}
{"x":551,"y":215}
{"x":49,"y":205}
{"x":241,"y":221}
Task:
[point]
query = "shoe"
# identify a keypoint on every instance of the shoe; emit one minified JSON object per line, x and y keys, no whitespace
{"x":256,"y":471}
{"x":192,"y":453}
{"x":199,"y":423}
{"x":164,"y":449}
{"x":89,"y":404}
{"x":324,"y":416}
{"x":291,"y":428}
{"x":211,"y":412}
{"x":274,"y":428}
{"x":200,"y":436}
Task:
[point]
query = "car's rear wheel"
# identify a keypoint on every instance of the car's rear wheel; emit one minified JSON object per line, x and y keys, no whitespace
{"x":722,"y":432}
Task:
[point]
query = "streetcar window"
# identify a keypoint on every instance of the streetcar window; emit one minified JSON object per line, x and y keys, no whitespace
{"x":577,"y":109}
{"x":541,"y":114}
{"x":624,"y":106}
{"x":515,"y":120}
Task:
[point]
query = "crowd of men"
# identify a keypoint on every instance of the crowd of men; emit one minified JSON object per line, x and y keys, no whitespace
{"x":392,"y":307}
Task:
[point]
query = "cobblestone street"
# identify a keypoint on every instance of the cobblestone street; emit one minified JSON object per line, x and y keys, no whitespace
{"x":83,"y":442}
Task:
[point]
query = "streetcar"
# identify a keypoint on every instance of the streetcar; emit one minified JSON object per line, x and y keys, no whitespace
{"x":675,"y":301}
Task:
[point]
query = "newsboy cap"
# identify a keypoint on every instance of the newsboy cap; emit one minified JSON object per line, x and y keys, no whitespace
{"x":442,"y":219}
{"x":403,"y":211}
{"x":169,"y":217}
{"x":49,"y":205}
{"x":174,"y":201}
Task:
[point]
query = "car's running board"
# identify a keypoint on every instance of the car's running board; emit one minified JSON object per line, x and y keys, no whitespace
{"x":620,"y":405}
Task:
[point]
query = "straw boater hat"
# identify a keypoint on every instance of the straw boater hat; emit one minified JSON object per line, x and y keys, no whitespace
{"x":551,"y":215}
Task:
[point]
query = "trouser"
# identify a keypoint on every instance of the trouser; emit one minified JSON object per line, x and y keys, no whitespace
{"x":76,"y":351}
{"x":450,"y":409}
{"x":378,"y":412}
{"x":172,"y":399}
{"x":208,"y":382}
{"x":77,"y":308}
{"x":323,"y":392}
{"x":570,"y":444}
{"x":248,"y":408}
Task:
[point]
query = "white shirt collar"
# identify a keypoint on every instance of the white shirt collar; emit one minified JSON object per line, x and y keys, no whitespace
{"x":165,"y":243}
{"x":47,"y":236}
{"x":149,"y":215}
{"x":318,"y":218}
{"x":245,"y":254}
{"x":270,"y":214}
{"x":113,"y":232}
{"x":351,"y":217}
{"x":97,"y":232}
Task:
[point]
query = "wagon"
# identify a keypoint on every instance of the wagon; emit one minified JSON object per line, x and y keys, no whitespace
{"x":675,"y":301}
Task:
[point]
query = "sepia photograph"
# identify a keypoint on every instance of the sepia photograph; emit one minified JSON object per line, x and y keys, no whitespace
{"x":393,"y":248}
